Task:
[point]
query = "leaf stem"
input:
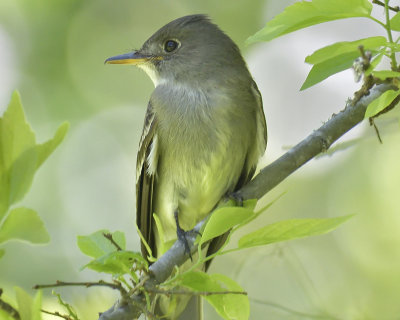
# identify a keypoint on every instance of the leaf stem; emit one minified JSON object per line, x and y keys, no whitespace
{"x":389,"y":33}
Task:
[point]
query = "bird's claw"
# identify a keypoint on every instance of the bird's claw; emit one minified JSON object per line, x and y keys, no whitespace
{"x":182,"y":235}
{"x":236,"y":197}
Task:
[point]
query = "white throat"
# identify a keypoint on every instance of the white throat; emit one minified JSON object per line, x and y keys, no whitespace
{"x":152,"y":73}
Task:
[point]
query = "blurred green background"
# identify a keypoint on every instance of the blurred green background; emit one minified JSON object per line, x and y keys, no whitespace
{"x":53,"y":53}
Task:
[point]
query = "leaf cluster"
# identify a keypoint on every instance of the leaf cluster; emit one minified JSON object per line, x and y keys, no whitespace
{"x":20,"y":158}
{"x":342,"y":55}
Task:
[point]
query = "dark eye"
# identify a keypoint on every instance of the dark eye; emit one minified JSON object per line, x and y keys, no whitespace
{"x":170,"y":45}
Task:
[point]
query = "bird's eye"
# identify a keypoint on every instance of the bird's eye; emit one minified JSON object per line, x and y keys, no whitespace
{"x":170,"y":45}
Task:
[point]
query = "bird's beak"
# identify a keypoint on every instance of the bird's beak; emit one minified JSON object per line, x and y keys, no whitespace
{"x":134,"y":58}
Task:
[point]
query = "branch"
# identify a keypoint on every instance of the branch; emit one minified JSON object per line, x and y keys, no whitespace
{"x":269,"y":177}
{"x":8,"y":308}
{"x":380,"y":3}
{"x":115,"y":285}
{"x":317,"y":142}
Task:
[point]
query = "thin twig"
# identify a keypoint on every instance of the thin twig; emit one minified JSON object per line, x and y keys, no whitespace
{"x":109,"y":236}
{"x":57,"y":314}
{"x":193,"y":293}
{"x":139,"y":285}
{"x":372,"y":123}
{"x":380,"y":3}
{"x":100,"y":283}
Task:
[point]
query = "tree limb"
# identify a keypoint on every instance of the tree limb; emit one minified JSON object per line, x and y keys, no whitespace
{"x":317,"y":142}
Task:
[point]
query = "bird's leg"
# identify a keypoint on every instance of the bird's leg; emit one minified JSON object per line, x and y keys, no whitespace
{"x":182,"y":234}
{"x":236,"y":197}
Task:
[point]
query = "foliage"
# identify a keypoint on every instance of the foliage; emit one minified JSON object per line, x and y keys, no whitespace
{"x":341,"y":55}
{"x":20,"y":158}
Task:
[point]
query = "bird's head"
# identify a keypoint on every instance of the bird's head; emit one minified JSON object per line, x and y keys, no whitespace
{"x":188,"y":49}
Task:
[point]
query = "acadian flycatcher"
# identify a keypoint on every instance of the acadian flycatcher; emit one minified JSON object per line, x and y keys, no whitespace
{"x":203,"y":134}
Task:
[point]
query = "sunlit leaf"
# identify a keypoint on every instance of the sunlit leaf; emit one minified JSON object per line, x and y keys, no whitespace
{"x":160,"y":233}
{"x":21,"y":156}
{"x":144,"y":242}
{"x":37,"y":306}
{"x":384,"y":74}
{"x":24,"y":302}
{"x":260,"y":211}
{"x":23,"y":224}
{"x":395,"y":22}
{"x":307,"y":13}
{"x":5,"y":315}
{"x":374,"y":63}
{"x":28,"y":308}
{"x":380,"y":103}
{"x":323,"y":70}
{"x":340,"y":48}
{"x":45,"y":149}
{"x":96,"y":245}
{"x":290,"y":229}
{"x":18,"y":160}
{"x":117,"y":262}
{"x":222,"y":220}
{"x":236,"y":306}
{"x":202,"y":282}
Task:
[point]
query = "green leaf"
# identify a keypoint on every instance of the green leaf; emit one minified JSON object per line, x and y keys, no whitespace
{"x":250,"y":204}
{"x":338,"y":57}
{"x":117,"y":262}
{"x":20,"y":155}
{"x":223,"y":303}
{"x":29,"y":308}
{"x":96,"y":245}
{"x":380,"y":103}
{"x":339,"y":48}
{"x":146,"y":245}
{"x":5,"y":315}
{"x":25,"y":303}
{"x":308,"y":13}
{"x":323,"y":70}
{"x":161,"y":235}
{"x":2,"y":253}
{"x":260,"y":211}
{"x":24,"y":224}
{"x":290,"y":229}
{"x":374,"y":63}
{"x":236,"y":306}
{"x":37,"y":306}
{"x":384,"y":74}
{"x":395,"y":22}
{"x":45,"y":149}
{"x":222,"y":220}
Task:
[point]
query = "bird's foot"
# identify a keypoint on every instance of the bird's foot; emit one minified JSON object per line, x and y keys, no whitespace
{"x":236,"y":197}
{"x":182,"y":235}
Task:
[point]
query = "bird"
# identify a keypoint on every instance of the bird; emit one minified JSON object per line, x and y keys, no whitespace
{"x":203,"y":135}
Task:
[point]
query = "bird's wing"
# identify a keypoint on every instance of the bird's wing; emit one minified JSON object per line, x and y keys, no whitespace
{"x":261,"y":123}
{"x":248,"y":168}
{"x":146,"y":165}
